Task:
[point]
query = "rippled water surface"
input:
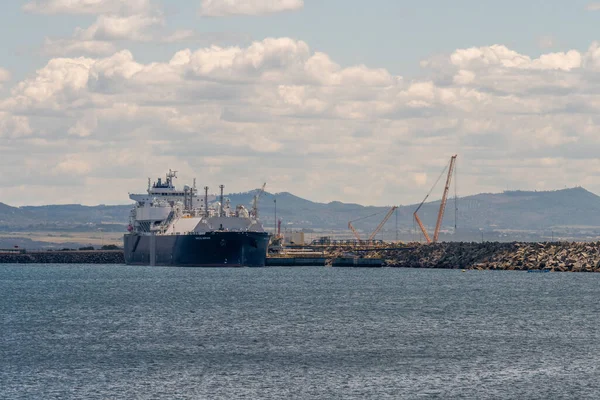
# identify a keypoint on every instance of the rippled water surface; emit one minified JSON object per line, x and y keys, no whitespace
{"x":117,"y":332}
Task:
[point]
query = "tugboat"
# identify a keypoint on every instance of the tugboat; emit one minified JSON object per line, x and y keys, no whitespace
{"x":170,"y":227}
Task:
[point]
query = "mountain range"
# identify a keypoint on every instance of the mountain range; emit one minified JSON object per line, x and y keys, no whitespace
{"x":534,"y":211}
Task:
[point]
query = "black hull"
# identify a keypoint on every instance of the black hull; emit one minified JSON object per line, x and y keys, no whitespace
{"x":213,"y":249}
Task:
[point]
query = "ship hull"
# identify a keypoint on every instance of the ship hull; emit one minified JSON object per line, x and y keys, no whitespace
{"x":212,"y":249}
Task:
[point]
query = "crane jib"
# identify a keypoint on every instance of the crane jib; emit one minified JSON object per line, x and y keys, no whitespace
{"x":443,"y":202}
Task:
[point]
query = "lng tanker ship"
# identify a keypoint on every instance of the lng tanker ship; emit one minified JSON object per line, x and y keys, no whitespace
{"x":173,"y":227}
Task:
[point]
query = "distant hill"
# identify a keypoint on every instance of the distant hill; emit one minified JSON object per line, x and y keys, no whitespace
{"x":511,"y":210}
{"x":72,"y":217}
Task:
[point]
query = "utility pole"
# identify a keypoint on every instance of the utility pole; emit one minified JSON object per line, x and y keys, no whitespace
{"x":101,"y":237}
{"x":396,"y":225}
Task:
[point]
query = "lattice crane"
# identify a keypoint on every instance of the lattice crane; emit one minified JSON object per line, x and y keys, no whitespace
{"x":354,"y":231}
{"x":382,"y":223}
{"x":255,"y":200}
{"x":438,"y":225}
{"x":440,"y":217}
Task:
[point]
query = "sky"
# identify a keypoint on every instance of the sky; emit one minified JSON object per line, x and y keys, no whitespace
{"x":354,"y":101}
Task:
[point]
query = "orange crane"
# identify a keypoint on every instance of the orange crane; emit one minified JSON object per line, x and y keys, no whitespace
{"x":440,"y":217}
{"x":438,"y":225}
{"x":354,"y":231}
{"x":382,"y":223}
{"x":427,"y":238}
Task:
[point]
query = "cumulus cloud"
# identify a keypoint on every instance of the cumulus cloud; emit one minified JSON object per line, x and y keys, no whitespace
{"x":12,"y":126}
{"x":72,"y":165}
{"x":220,"y":8}
{"x":288,"y":111}
{"x":117,"y":22}
{"x":111,"y":27}
{"x":59,"y":83}
{"x":498,"y":55}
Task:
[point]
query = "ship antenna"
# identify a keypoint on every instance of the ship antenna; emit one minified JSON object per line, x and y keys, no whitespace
{"x":149,"y":185}
{"x":221,"y":205}
{"x":170,"y":176}
{"x":206,"y":201}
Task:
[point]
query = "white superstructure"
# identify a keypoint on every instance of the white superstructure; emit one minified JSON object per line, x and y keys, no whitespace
{"x":164,"y":210}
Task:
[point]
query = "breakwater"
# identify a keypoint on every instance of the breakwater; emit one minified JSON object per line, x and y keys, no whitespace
{"x":565,"y":257}
{"x":571,"y":257}
{"x":64,"y":257}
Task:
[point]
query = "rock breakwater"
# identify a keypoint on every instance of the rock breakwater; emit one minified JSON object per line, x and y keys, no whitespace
{"x":64,"y":257}
{"x":573,"y":257}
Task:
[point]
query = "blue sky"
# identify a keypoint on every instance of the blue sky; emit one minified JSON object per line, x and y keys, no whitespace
{"x":379,"y":94}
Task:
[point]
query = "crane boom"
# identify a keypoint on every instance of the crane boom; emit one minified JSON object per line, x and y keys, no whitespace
{"x":382,"y":223}
{"x":354,"y":231}
{"x":422,"y":227}
{"x":438,"y":225}
{"x":255,"y":200}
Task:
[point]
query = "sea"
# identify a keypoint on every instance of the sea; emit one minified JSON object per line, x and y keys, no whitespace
{"x":124,"y":332}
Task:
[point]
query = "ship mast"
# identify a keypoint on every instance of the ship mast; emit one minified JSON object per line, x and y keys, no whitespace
{"x":221,"y":205}
{"x":206,"y":201}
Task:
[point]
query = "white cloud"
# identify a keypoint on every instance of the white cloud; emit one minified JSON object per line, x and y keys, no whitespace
{"x":275,"y":110}
{"x":117,"y":22}
{"x":85,"y":126}
{"x":61,"y":82}
{"x":12,"y":126}
{"x":497,"y":55}
{"x":72,"y":165}
{"x":4,"y":75}
{"x":220,"y":8}
{"x":100,"y":37}
{"x":111,"y":27}
{"x":122,"y":7}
